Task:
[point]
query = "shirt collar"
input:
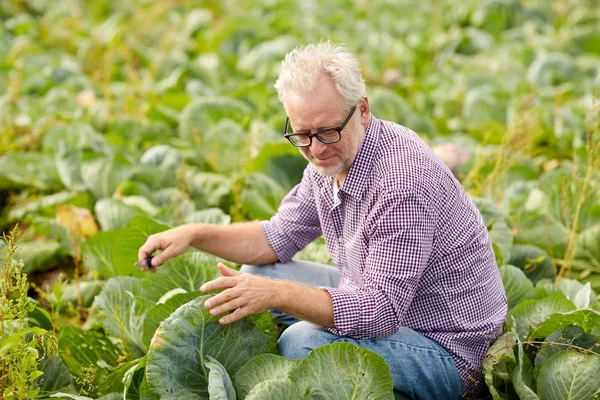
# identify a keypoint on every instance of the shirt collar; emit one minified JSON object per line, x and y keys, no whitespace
{"x":354,"y":184}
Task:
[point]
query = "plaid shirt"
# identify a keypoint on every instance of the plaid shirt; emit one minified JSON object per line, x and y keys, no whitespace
{"x":411,"y":247}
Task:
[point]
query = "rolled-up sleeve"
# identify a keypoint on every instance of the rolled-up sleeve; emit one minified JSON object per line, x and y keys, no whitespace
{"x":296,"y":223}
{"x":399,"y":249}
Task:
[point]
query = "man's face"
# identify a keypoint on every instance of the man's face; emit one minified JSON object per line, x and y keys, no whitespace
{"x":323,"y":108}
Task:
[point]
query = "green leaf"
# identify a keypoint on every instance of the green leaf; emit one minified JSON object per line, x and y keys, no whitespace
{"x":210,"y":190}
{"x":531,"y":313}
{"x":552,"y":69}
{"x":56,"y":375}
{"x":160,"y":312}
{"x":280,"y":161}
{"x":134,"y":379}
{"x":88,"y":290}
{"x":214,"y":216}
{"x":87,"y":354}
{"x":517,"y":286}
{"x":569,"y":375}
{"x":389,"y":106}
{"x":527,"y":258}
{"x":97,"y":254}
{"x":159,"y":167}
{"x":41,"y":318}
{"x":588,"y":320}
{"x":176,"y":366}
{"x":264,"y":367}
{"x":162,"y":157}
{"x":114,"y":214}
{"x":188,"y":272}
{"x":500,"y":357}
{"x":77,"y":135}
{"x":175,"y":205}
{"x":543,"y":232}
{"x":110,"y":396}
{"x":261,"y":196}
{"x":262,"y":61}
{"x":275,"y":389}
{"x":500,"y":233}
{"x":70,"y":396}
{"x":142,"y":203}
{"x":114,"y":253}
{"x":123,"y":312}
{"x":563,"y":339}
{"x":46,"y":205}
{"x":102,"y":175}
{"x":587,"y":245}
{"x":68,"y":165}
{"x":587,"y":39}
{"x":13,"y":339}
{"x":114,"y":382}
{"x":344,"y":371}
{"x":87,"y":347}
{"x":581,"y":295}
{"x":39,"y":255}
{"x":315,"y":251}
{"x":204,"y":113}
{"x":219,"y":382}
{"x":128,"y":242}
{"x":522,"y":376}
{"x":483,"y":104}
{"x":545,"y":288}
{"x":37,"y":170}
{"x":224,"y":147}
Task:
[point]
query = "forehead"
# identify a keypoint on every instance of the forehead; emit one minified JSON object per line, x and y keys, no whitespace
{"x":320,"y":107}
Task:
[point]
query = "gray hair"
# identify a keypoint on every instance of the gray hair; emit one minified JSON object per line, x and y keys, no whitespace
{"x":303,"y":66}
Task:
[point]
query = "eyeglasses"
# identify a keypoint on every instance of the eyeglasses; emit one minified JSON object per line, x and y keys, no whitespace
{"x":327,"y":136}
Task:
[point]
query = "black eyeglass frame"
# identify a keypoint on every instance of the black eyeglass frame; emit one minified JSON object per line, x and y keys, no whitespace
{"x":310,"y":136}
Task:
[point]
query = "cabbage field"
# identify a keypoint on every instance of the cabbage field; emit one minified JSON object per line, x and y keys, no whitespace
{"x":120,"y":119}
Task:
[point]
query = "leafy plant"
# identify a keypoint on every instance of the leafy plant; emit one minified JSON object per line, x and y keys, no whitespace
{"x":21,"y":345}
{"x":121,"y":119}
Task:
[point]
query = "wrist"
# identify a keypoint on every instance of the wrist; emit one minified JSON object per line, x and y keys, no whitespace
{"x":281,"y":292}
{"x":194,"y":233}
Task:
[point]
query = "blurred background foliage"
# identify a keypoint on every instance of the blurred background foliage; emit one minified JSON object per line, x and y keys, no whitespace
{"x":121,"y":119}
{"x":166,"y":109}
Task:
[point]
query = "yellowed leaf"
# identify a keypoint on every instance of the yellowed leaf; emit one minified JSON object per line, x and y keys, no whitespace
{"x":79,"y":221}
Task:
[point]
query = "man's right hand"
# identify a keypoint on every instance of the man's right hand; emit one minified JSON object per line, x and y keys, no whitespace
{"x":172,"y":243}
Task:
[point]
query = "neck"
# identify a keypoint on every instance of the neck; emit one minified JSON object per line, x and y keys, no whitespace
{"x":340,"y":179}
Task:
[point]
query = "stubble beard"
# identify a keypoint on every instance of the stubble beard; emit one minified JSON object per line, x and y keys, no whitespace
{"x":333,"y":170}
{"x":344,"y":165}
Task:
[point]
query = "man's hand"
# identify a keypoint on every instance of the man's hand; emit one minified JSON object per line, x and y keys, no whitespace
{"x":244,"y":294}
{"x":172,"y":242}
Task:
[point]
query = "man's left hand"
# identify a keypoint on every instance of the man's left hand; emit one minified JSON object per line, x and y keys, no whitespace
{"x":244,"y":294}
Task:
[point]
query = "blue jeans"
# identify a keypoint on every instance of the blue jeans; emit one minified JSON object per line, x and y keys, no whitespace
{"x":421,"y":368}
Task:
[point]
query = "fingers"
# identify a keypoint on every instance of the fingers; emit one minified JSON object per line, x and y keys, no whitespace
{"x":220,"y":298}
{"x":159,"y":242}
{"x":238,"y":314}
{"x":226,"y":271}
{"x":159,"y":259}
{"x":219,"y":283}
{"x":228,"y":306}
{"x":152,"y":244}
{"x":147,"y":249}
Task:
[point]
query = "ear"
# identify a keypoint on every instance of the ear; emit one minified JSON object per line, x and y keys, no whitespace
{"x":365,"y":112}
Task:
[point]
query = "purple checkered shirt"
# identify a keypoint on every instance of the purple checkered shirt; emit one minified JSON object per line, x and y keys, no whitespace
{"x":411,"y":247}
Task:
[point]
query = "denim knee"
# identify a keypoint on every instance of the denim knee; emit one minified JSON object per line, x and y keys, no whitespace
{"x":263,"y":270}
{"x":301,"y":338}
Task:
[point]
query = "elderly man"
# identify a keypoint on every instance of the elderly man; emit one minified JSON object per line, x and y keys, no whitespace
{"x":416,"y":279}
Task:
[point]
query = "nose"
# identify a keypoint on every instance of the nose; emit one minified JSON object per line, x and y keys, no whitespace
{"x":317,"y":148}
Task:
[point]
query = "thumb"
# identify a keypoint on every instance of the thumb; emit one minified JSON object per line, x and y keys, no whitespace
{"x":158,"y":259}
{"x":226,"y":271}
